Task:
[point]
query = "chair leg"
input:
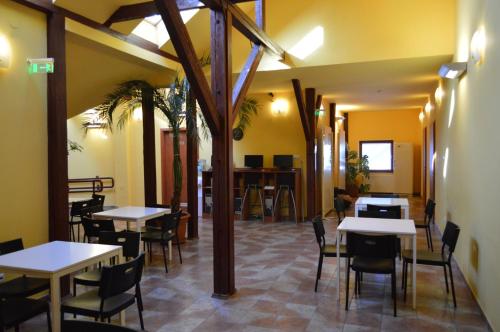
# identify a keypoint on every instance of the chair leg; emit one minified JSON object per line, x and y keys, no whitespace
{"x":446,"y":279}
{"x":318,"y":274}
{"x":49,"y":322}
{"x":393,"y":282}
{"x":295,"y":207}
{"x":347,"y":285}
{"x":178,"y":248}
{"x":261,"y":198}
{"x":406,"y":280}
{"x":403,"y":274}
{"x":430,"y":237}
{"x":452,"y":287}
{"x":164,"y":257}
{"x":140,"y":307}
{"x":276,"y":201}
{"x":78,"y":232}
{"x":427,"y":238}
{"x":72,"y":234}
{"x":243,"y":202}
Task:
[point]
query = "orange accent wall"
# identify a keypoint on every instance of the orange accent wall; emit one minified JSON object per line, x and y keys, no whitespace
{"x":397,"y":125}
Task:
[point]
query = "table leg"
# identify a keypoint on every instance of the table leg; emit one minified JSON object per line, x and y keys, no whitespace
{"x":55,"y":303}
{"x":414,"y":271}
{"x":170,"y":250}
{"x":356,"y":209}
{"x":407,"y":212}
{"x":338,"y":265}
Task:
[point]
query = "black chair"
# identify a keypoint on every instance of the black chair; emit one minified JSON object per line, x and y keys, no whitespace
{"x":92,"y":228}
{"x":426,"y":223}
{"x":130,"y":245}
{"x":339,"y":206}
{"x":168,"y":231}
{"x":22,"y":286}
{"x":112,"y":296}
{"x":78,"y":210}
{"x":371,"y":254}
{"x":382,"y":208}
{"x":325,"y":250}
{"x":98,"y":202}
{"x":14,"y":311}
{"x":379,"y":214}
{"x":449,"y":239}
{"x":384,"y":195}
{"x":87,"y":326}
{"x":155,"y":222}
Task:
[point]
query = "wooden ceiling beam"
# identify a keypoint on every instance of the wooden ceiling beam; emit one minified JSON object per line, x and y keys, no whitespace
{"x":145,"y":9}
{"x":187,"y":55}
{"x":246,"y":77}
{"x":319,"y":100}
{"x":47,"y":7}
{"x":304,"y":118}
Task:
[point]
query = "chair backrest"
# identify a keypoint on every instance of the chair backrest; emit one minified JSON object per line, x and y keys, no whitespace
{"x":373,"y":246}
{"x":80,"y":208}
{"x":380,"y":214}
{"x":92,"y":228}
{"x":450,"y":238}
{"x":98,"y":202}
{"x":128,"y":240}
{"x":319,"y":231}
{"x":429,"y":210}
{"x":251,"y":179}
{"x":382,"y":195}
{"x":86,"y":326}
{"x":395,"y":209}
{"x":10,"y":246}
{"x":118,"y":279}
{"x":285,"y":179}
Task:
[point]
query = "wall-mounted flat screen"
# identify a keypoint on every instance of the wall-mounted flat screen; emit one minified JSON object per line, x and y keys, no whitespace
{"x":254,"y":161}
{"x":283,"y":161}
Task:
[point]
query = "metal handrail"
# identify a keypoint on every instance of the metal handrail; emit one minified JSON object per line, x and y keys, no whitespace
{"x":97,"y":184}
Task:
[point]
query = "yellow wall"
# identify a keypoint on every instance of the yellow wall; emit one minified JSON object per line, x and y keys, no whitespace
{"x":468,"y":195}
{"x":401,"y":126}
{"x":23,"y":147}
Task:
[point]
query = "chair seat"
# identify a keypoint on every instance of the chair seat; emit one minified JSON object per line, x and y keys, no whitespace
{"x":372,"y":265}
{"x":425,"y":257}
{"x":18,"y":310}
{"x":145,"y":229}
{"x":330,"y":250}
{"x":88,"y":304}
{"x":23,"y":287}
{"x":89,"y":278}
{"x":156,"y":236}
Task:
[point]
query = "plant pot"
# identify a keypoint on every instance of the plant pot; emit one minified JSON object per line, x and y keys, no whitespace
{"x":183,"y":226}
{"x":352,"y":190}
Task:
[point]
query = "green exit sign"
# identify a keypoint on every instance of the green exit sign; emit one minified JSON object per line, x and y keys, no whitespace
{"x":41,"y":66}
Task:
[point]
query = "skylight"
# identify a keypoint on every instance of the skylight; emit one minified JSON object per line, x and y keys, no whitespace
{"x":152,"y":28}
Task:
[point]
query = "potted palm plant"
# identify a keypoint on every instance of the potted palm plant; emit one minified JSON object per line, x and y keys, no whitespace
{"x":358,"y":172}
{"x":178,"y":104}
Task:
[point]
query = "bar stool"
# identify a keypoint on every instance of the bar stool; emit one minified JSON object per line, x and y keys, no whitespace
{"x":252,"y":185}
{"x":285,"y":183}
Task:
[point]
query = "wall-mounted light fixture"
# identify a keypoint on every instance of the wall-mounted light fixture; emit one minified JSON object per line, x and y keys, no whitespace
{"x":428,"y":107}
{"x":438,"y":94}
{"x":5,"y":52}
{"x":137,"y":114}
{"x":279,"y":105}
{"x":421,"y":116}
{"x":478,"y":45}
{"x":92,"y":120}
{"x":453,"y":70}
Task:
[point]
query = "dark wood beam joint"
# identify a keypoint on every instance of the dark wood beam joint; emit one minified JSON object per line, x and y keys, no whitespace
{"x":194,"y":72}
{"x":246,"y":77}
{"x":304,"y":119}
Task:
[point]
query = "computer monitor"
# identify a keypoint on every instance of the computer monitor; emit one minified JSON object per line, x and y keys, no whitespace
{"x":283,"y":160}
{"x":254,"y":161}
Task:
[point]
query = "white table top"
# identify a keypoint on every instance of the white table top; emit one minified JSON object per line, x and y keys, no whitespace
{"x":54,"y":256}
{"x":132,"y":213}
{"x":382,"y":201}
{"x":378,"y":226}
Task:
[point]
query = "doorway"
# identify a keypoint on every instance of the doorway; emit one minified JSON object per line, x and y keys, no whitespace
{"x":167,"y":156}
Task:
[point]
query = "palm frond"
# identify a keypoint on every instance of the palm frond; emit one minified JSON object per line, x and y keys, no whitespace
{"x":249,"y":107}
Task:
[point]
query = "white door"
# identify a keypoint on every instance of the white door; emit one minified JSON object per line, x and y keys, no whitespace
{"x":403,"y":168}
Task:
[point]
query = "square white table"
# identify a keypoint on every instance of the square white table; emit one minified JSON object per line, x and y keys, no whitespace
{"x":54,"y":260}
{"x":137,"y":214}
{"x":399,"y":227}
{"x":362,"y":202}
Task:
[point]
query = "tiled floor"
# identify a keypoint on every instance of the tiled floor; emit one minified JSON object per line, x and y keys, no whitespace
{"x":275,"y":274}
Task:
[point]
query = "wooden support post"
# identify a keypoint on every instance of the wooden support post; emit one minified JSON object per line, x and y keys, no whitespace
{"x":192,"y":168}
{"x":311,"y":153}
{"x":333,"y":114}
{"x":57,"y":130}
{"x":149,"y":151}
{"x":57,"y":135}
{"x":222,"y":155}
